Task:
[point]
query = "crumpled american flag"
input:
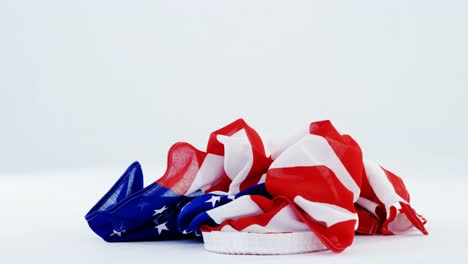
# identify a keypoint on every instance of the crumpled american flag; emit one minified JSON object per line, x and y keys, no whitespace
{"x":314,"y":192}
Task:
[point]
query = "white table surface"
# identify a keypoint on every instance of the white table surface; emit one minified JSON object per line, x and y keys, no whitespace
{"x":42,"y":220}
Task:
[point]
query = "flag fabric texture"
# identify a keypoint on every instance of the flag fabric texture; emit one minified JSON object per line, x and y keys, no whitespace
{"x":314,"y":192}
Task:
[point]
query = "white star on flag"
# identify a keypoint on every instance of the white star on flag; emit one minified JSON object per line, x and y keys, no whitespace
{"x":213,"y":200}
{"x":118,"y":233}
{"x":158,"y":211}
{"x":161,"y":227}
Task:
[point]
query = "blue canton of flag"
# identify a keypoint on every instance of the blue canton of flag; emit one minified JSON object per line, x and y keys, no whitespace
{"x":129,"y":212}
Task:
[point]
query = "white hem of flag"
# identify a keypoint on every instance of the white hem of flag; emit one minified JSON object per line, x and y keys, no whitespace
{"x":261,"y":243}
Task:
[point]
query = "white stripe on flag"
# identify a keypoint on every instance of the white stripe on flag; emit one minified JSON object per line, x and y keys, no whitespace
{"x":285,"y":144}
{"x":243,"y":206}
{"x":368,"y":205}
{"x":400,"y":224}
{"x":330,"y":214}
{"x":208,"y":174}
{"x":382,"y":187}
{"x":286,"y":220}
{"x":238,"y":158}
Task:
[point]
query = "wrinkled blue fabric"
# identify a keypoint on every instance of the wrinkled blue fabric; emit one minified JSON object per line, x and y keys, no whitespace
{"x":129,"y":212}
{"x":194,"y":213}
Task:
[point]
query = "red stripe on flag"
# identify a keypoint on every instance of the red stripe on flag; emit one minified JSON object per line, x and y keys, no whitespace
{"x":347,"y":150}
{"x":183,"y":163}
{"x":315,"y":183}
{"x":397,"y":184}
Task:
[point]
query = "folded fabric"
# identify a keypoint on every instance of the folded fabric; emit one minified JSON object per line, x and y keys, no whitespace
{"x":312,"y":193}
{"x":384,"y":203}
{"x":320,"y":177}
{"x":128,"y":212}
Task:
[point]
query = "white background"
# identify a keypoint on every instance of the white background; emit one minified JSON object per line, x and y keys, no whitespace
{"x":86,"y":87}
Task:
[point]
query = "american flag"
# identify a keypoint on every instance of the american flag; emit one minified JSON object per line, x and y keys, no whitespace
{"x":314,"y":192}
